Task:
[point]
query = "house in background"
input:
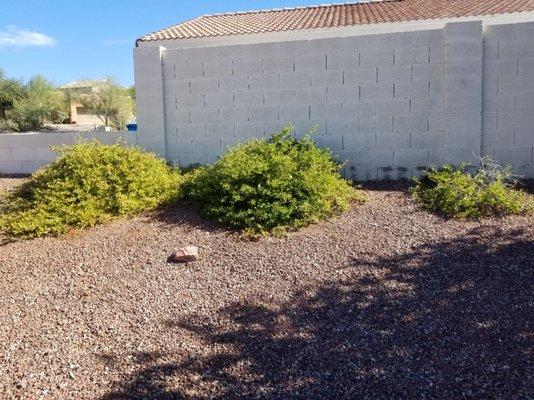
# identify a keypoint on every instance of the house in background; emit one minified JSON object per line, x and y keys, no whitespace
{"x":392,"y":86}
{"x":78,"y":114}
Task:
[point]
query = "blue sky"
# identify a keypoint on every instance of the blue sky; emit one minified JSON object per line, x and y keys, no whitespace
{"x":65,"y":40}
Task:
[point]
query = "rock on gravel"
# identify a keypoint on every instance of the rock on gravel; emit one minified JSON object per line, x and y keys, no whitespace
{"x":185,"y":254}
{"x":383,"y":302}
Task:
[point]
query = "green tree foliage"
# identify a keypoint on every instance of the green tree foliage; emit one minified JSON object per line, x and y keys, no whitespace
{"x":263,"y":186}
{"x":112,"y":104}
{"x":11,"y":91}
{"x":454,"y":192}
{"x":30,"y":106}
{"x":41,"y":104}
{"x":131,"y":92}
{"x":89,"y":183}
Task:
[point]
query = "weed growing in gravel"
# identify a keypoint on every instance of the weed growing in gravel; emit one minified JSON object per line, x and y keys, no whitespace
{"x":454,"y":192}
{"x":88,"y":184}
{"x":269,"y":186}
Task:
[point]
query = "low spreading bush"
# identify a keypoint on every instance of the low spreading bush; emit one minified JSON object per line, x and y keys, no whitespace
{"x":263,"y":186}
{"x":454,"y":192}
{"x":8,"y":126}
{"x":88,"y":184}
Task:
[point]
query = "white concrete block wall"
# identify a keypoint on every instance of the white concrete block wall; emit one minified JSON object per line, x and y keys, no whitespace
{"x":463,"y":92}
{"x":23,"y":153}
{"x":508,"y":96}
{"x":148,"y":71}
{"x":388,"y":104}
{"x":369,"y":97}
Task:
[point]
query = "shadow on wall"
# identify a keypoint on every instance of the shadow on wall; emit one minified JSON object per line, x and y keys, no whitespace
{"x":448,"y":320}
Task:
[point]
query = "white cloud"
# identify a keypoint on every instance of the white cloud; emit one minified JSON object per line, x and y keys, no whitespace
{"x":116,"y":42}
{"x":14,"y":37}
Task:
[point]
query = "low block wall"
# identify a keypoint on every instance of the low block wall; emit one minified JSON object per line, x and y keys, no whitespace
{"x":23,"y":153}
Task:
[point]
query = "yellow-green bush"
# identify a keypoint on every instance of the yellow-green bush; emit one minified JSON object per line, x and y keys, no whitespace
{"x":261,"y":186}
{"x":89,"y":183}
{"x":454,"y":192}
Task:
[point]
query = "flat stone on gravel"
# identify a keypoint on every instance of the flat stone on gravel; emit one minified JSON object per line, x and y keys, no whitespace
{"x":185,"y":255}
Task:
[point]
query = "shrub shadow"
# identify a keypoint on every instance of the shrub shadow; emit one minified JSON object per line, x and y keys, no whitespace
{"x":527,"y":185}
{"x":447,"y":320}
{"x":185,"y":214}
{"x":402,"y":186}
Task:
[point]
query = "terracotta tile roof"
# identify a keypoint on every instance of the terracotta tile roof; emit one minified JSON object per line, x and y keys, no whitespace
{"x":335,"y":15}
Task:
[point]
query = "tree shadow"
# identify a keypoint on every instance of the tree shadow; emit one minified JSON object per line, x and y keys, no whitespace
{"x":451,"y":319}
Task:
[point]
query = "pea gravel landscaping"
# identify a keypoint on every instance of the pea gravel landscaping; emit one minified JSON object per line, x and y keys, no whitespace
{"x":383,"y":302}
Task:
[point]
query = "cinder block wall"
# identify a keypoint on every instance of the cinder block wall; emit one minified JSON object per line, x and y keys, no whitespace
{"x":508,"y":96}
{"x":388,"y":104}
{"x":23,"y":153}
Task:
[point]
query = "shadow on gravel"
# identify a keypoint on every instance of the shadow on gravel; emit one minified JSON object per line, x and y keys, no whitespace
{"x":527,"y":185}
{"x":184,"y":214}
{"x":386,"y":186}
{"x":448,"y":320}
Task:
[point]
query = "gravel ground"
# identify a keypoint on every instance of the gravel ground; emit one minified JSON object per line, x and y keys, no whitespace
{"x":7,"y":183}
{"x":384,"y":302}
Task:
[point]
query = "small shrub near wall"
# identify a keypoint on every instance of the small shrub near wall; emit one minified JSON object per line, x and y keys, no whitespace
{"x":88,"y":184}
{"x":264,"y":186}
{"x":454,"y":192}
{"x":8,"y":126}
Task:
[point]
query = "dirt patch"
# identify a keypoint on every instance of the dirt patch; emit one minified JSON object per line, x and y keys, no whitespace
{"x":385,"y":301}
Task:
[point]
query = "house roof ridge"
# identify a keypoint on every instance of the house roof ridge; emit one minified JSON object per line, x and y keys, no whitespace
{"x":334,"y":15}
{"x":280,"y":9}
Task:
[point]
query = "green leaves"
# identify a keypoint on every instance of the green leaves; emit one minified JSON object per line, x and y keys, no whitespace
{"x":264,"y":186}
{"x":34,"y":104}
{"x":88,"y":184}
{"x":112,"y":103}
{"x":454,"y":192}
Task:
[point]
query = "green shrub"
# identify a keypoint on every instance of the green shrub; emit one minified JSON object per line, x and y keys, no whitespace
{"x":89,"y":183}
{"x":454,"y":192}
{"x":7,"y":126}
{"x":262,"y":186}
